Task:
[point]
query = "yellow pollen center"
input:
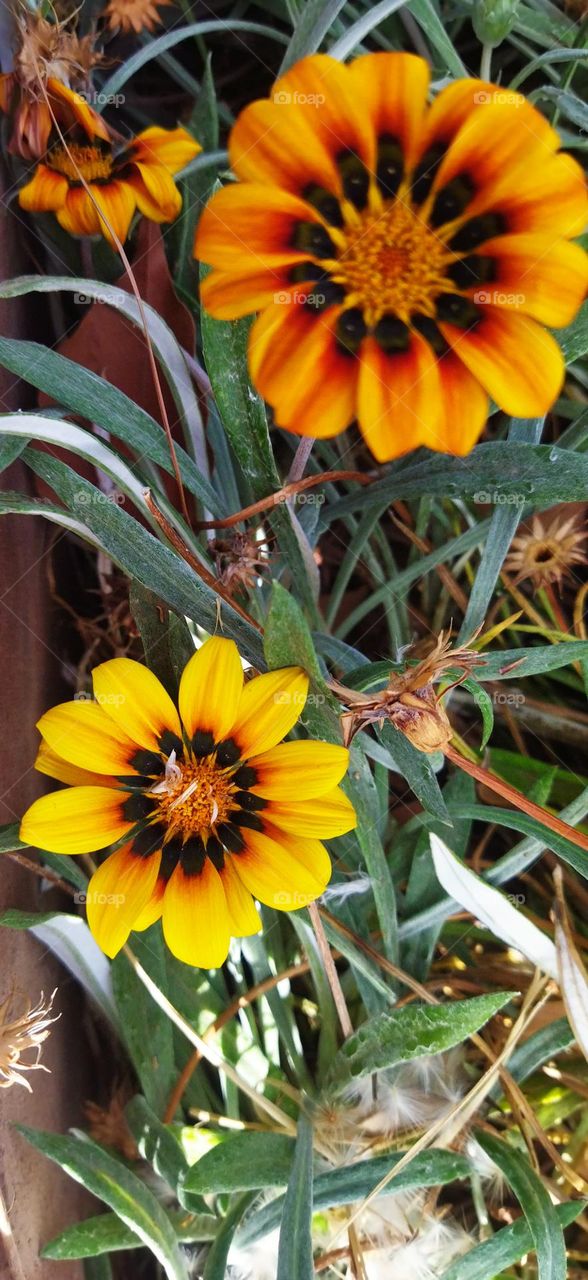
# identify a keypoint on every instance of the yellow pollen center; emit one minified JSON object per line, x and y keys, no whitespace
{"x":87,"y":162}
{"x":195,"y":799}
{"x":392,"y":262}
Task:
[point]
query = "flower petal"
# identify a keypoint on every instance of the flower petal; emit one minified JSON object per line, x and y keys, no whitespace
{"x":464,"y":403}
{"x":196,"y":917}
{"x":399,"y":403}
{"x":116,"y":206}
{"x":250,"y":220}
{"x":210,"y":689}
{"x":117,"y":894}
{"x":135,"y":699}
{"x":84,"y":735}
{"x":174,"y":148}
{"x":550,"y":198}
{"x":77,"y":820}
{"x":328,"y":815}
{"x":78,"y":109}
{"x":283,"y":871}
{"x":155,"y":190}
{"x":153,"y":910}
{"x":269,"y":708}
{"x":299,"y":770}
{"x":78,"y":216}
{"x":230,"y":295}
{"x":392,"y":89}
{"x":46,"y":191}
{"x":243,"y":915}
{"x":325,"y":95}
{"x":534,"y":275}
{"x":49,"y":763}
{"x":518,"y":362}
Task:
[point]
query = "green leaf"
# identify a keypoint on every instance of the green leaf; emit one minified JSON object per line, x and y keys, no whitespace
{"x":243,"y":1163}
{"x":157,"y":1144}
{"x":295,"y":1260}
{"x":353,"y":1182}
{"x":143,"y":557}
{"x":503,"y":526}
{"x":92,"y":397}
{"x":287,"y":637}
{"x":21,"y":504}
{"x":485,"y":706}
{"x":316,"y":19}
{"x":540,"y":474}
{"x":10,"y":840}
{"x":399,"y":1035}
{"x":516,"y":664}
{"x":215,"y":1267}
{"x":10,"y":449}
{"x":148,"y":1036}
{"x":166,"y":639}
{"x":15,"y":919}
{"x":153,"y":48}
{"x":362,"y":27}
{"x":425,"y":13}
{"x":106,"y":1233}
{"x":574,"y":339}
{"x":121,"y":1190}
{"x":488,"y":1260}
{"x":535,"y":1201}
{"x":415,"y":767}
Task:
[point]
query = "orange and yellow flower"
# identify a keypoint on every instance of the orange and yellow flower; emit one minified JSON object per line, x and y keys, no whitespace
{"x":134,"y":15}
{"x":405,"y":258}
{"x":211,"y":807}
{"x":116,"y":180}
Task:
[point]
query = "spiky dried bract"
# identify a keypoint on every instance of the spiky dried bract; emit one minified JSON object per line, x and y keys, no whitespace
{"x":548,"y":551}
{"x":23,"y":1028}
{"x":409,"y":700}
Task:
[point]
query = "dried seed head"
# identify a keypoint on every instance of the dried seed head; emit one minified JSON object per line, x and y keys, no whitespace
{"x":22,"y":1029}
{"x":547,"y":552}
{"x":422,"y":719}
{"x":108,"y":1125}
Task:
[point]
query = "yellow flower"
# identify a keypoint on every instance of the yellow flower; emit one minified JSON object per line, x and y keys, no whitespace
{"x":404,"y":257}
{"x":211,"y":809}
{"x":134,"y":15}
{"x":137,"y":176}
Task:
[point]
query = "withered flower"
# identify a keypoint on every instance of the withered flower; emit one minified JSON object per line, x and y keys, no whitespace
{"x":22,"y":1029}
{"x":134,"y":15}
{"x":239,"y":561}
{"x":547,"y":552}
{"x":108,"y":1125}
{"x":409,"y":700}
{"x":51,"y":65}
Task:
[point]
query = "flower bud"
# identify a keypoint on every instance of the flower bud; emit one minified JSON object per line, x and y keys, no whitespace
{"x":493,"y":19}
{"x":422,"y":720}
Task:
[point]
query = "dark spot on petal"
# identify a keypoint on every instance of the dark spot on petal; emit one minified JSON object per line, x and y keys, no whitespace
{"x":170,"y":856}
{"x":202,"y":743}
{"x":429,"y":330}
{"x":324,"y":202}
{"x":354,"y":177}
{"x":231,"y":838}
{"x":227,"y":753}
{"x":452,"y":199}
{"x":475,"y":269}
{"x":170,"y":742}
{"x":477,"y":230}
{"x":148,"y":763}
{"x":246,"y":776}
{"x":454,"y":309}
{"x":304,"y":271}
{"x":214,"y":851}
{"x":351,"y":330}
{"x":241,"y":819}
{"x":310,"y":237}
{"x":247,"y":800}
{"x":389,"y":164}
{"x":392,"y":335}
{"x":424,"y":174}
{"x":193,"y":856}
{"x":149,"y":840}
{"x":137,"y":807}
